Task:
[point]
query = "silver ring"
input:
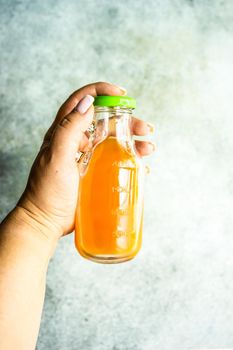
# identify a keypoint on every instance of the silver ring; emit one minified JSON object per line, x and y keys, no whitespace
{"x":78,"y":156}
{"x":92,"y":128}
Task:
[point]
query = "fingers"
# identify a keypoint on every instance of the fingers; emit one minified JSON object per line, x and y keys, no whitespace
{"x":94,"y":89}
{"x":69,"y":134}
{"x":99,"y":88}
{"x":141,"y":128}
{"x":144,"y":148}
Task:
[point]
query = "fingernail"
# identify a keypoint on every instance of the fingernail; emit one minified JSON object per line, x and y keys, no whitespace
{"x":151,"y":128}
{"x":153,"y":146}
{"x":84,"y":104}
{"x":123,"y":90}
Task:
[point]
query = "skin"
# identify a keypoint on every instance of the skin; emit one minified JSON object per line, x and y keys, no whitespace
{"x":44,"y":213}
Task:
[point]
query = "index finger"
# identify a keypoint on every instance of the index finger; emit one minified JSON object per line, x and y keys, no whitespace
{"x":141,"y":128}
{"x":94,"y":89}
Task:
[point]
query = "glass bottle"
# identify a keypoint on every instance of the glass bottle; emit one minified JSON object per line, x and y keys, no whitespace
{"x":110,"y":202}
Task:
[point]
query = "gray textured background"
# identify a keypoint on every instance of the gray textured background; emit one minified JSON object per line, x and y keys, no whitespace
{"x":175,"y":57}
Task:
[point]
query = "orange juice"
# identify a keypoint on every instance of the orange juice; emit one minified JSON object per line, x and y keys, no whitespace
{"x":110,"y":203}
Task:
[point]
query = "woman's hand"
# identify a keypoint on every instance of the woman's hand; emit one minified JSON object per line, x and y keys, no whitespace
{"x":45,"y":212}
{"x":50,"y":198}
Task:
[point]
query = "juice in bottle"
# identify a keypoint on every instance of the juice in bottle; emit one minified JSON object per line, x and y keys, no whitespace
{"x":110,"y":202}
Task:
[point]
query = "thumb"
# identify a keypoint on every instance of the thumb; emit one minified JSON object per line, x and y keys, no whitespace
{"x":70,"y":131}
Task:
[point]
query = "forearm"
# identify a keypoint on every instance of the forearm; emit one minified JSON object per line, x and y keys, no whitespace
{"x":24,"y":256}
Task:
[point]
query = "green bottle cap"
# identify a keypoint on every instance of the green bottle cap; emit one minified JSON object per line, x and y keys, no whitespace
{"x":115,"y":101}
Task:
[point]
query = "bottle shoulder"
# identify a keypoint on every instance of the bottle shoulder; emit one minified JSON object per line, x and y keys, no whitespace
{"x":116,"y":151}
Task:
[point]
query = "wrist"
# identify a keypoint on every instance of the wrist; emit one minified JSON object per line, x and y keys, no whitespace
{"x":30,"y":234}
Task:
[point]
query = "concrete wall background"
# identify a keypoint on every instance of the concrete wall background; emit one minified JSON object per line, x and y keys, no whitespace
{"x":176,"y":59}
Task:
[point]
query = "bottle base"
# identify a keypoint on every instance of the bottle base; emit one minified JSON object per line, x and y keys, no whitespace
{"x":107,"y":259}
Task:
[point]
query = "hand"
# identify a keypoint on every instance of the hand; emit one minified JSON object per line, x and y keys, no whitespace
{"x":50,"y":197}
{"x":45,"y":212}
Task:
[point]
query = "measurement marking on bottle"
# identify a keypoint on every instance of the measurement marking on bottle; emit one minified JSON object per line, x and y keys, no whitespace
{"x":120,"y":189}
{"x":118,"y":234}
{"x":122,"y":165}
{"x":120,"y":211}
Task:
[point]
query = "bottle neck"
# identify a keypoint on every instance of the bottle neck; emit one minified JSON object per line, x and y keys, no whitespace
{"x":113,"y":122}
